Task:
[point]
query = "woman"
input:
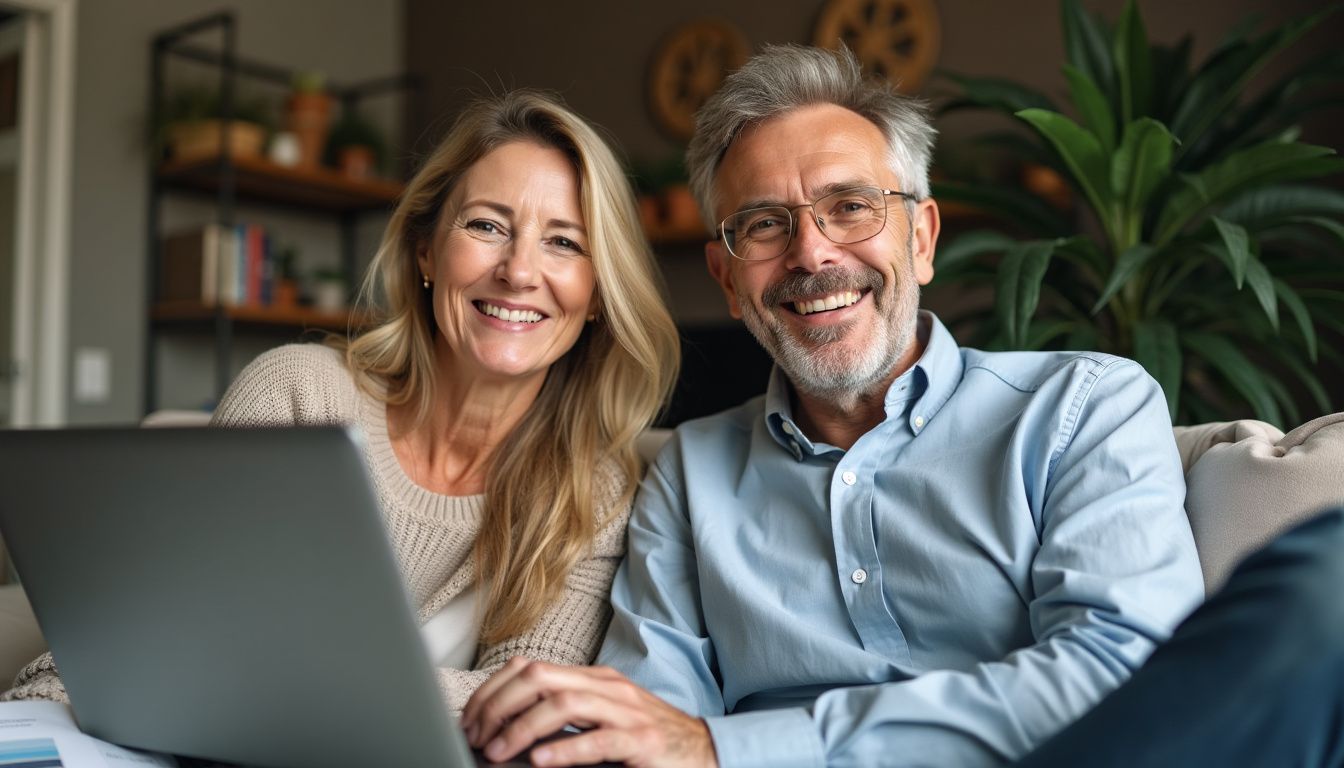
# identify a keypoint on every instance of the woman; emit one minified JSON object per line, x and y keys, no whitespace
{"x":522,"y":347}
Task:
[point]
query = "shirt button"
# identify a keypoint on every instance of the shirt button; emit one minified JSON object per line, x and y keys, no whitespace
{"x":919,"y":422}
{"x":788,"y":428}
{"x":849,"y":478}
{"x":858,"y":576}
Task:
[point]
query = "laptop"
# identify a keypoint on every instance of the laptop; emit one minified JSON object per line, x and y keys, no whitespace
{"x":226,"y":594}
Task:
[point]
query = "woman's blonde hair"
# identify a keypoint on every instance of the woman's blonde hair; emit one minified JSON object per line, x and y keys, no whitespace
{"x":540,"y":496}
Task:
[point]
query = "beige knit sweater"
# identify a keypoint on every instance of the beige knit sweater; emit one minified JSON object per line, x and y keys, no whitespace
{"x":431,"y":534}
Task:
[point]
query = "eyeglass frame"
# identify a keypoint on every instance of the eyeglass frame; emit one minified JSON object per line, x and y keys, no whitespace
{"x":793,"y":229}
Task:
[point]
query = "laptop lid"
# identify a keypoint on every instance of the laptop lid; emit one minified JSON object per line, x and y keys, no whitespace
{"x":227,"y":594}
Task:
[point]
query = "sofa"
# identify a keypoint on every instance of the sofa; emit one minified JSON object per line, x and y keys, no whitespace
{"x":1246,"y":481}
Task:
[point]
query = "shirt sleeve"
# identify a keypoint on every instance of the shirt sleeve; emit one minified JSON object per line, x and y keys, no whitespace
{"x":1115,"y":571}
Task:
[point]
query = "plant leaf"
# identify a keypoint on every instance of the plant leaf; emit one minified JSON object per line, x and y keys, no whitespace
{"x":996,"y":93}
{"x":1138,"y":168}
{"x":1174,"y":64}
{"x":1133,"y":64}
{"x":1018,"y":209}
{"x":1129,"y":263}
{"x":952,"y":258}
{"x":1262,"y":285}
{"x":1222,"y":79}
{"x":1018,"y":290}
{"x":1236,"y":249}
{"x":1157,"y":348}
{"x":1309,"y":380}
{"x":1085,"y":45}
{"x":1298,"y":309}
{"x":1241,"y":373}
{"x":1262,"y":164}
{"x":1080,"y":150}
{"x":1282,"y":397}
{"x":1264,"y":206}
{"x":1092,"y":107}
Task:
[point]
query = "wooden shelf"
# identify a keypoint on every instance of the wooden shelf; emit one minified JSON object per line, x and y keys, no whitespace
{"x":258,"y":179}
{"x":175,"y":312}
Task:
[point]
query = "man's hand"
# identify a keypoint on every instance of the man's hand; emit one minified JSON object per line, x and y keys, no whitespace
{"x":527,"y":700}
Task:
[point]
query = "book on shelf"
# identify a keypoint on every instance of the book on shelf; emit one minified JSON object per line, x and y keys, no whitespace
{"x":218,"y":264}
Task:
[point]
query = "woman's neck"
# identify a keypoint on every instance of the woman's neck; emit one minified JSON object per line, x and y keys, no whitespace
{"x":451,"y":450}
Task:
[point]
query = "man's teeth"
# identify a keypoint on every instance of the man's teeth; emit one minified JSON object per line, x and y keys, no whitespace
{"x":834,"y":301}
{"x":511,"y":315}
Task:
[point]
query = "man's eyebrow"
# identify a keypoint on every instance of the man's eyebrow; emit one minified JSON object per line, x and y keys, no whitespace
{"x":817,"y":192}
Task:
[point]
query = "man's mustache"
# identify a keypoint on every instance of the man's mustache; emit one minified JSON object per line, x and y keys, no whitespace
{"x":798,"y":285}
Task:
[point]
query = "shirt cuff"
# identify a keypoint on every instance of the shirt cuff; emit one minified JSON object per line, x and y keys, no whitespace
{"x":776,"y":737}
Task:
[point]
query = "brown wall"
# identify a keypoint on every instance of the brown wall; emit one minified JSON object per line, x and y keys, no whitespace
{"x":597,"y":53}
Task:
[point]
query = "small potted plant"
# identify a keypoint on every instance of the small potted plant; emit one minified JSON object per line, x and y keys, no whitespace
{"x":191,"y":125}
{"x":326,"y":288}
{"x":308,"y":116}
{"x":355,"y":146}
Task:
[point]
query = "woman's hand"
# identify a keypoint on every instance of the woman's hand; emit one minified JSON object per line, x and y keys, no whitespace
{"x":529,"y":700}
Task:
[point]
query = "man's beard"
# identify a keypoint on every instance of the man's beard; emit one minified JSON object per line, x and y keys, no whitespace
{"x":816,"y":360}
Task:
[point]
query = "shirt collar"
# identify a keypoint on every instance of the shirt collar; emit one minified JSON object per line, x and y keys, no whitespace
{"x":929,"y":383}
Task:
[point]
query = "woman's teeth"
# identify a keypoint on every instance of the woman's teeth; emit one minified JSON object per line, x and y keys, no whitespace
{"x":509,"y":315}
{"x":834,"y":301}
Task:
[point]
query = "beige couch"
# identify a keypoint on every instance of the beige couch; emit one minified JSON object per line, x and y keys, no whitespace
{"x":1246,"y":482}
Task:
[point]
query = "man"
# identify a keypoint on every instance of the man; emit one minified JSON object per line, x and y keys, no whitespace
{"x":905,"y":553}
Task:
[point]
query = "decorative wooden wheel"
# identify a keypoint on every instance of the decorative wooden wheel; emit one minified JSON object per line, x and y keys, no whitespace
{"x":895,"y":39}
{"x":687,"y":68}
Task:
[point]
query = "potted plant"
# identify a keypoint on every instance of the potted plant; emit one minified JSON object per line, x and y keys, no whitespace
{"x":191,"y":124}
{"x":1199,"y":245}
{"x":355,"y":146}
{"x":308,"y":115}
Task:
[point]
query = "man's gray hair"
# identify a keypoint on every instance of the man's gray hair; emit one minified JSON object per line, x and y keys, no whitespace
{"x":784,"y":77}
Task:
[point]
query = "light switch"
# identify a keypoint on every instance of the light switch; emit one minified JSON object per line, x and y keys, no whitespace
{"x":93,"y":375}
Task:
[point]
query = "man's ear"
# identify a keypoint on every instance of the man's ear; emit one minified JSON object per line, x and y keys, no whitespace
{"x":926,"y":222}
{"x":718,"y":260}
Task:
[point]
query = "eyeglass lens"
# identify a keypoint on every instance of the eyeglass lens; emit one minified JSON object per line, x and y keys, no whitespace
{"x":846,"y":216}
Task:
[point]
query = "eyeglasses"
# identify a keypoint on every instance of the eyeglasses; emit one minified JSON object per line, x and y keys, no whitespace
{"x":845,"y":217}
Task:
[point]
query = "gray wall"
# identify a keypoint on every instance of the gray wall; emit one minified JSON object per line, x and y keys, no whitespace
{"x":350,"y":40}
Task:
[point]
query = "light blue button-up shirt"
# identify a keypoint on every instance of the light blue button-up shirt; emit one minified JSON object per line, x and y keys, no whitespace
{"x":978,"y":570}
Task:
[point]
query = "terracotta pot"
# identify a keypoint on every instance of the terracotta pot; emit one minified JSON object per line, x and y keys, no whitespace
{"x":308,"y":117}
{"x":682,"y":215}
{"x":286,"y":293}
{"x":357,"y":162}
{"x":203,"y":138}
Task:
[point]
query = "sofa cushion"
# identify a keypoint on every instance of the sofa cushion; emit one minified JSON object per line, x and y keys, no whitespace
{"x":1246,"y":482}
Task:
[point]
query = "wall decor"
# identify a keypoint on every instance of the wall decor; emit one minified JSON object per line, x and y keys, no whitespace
{"x":686,"y":69}
{"x":895,"y":39}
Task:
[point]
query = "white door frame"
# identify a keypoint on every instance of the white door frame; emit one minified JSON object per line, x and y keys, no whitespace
{"x":42,"y":219}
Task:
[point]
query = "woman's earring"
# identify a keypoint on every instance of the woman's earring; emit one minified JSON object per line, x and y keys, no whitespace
{"x":591,"y":318}
{"x":425,"y":280}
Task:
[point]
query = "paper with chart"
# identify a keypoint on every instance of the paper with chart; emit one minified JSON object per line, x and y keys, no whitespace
{"x":43,"y":734}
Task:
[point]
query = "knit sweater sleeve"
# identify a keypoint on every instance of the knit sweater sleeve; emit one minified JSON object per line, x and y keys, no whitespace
{"x":290,"y":385}
{"x":571,"y":631}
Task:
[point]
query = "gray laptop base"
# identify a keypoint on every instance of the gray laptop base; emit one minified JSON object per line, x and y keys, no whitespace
{"x":225,"y":594}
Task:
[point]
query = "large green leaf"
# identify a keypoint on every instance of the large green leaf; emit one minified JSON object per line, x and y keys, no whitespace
{"x":1265,"y":206}
{"x":1138,"y":168}
{"x":995,"y":93}
{"x":1157,"y":348}
{"x":1080,"y":150}
{"x":1130,"y":262}
{"x":1018,"y":209}
{"x":1262,"y":164}
{"x":1298,"y":309}
{"x":1222,"y":79}
{"x":1019,"y":288}
{"x":1236,"y":248}
{"x":1086,"y":45}
{"x":1093,"y":108}
{"x":952,"y":258}
{"x":1283,"y":397}
{"x":1262,"y":285}
{"x":1174,"y":64}
{"x":1240,"y":372}
{"x":1133,"y":64}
